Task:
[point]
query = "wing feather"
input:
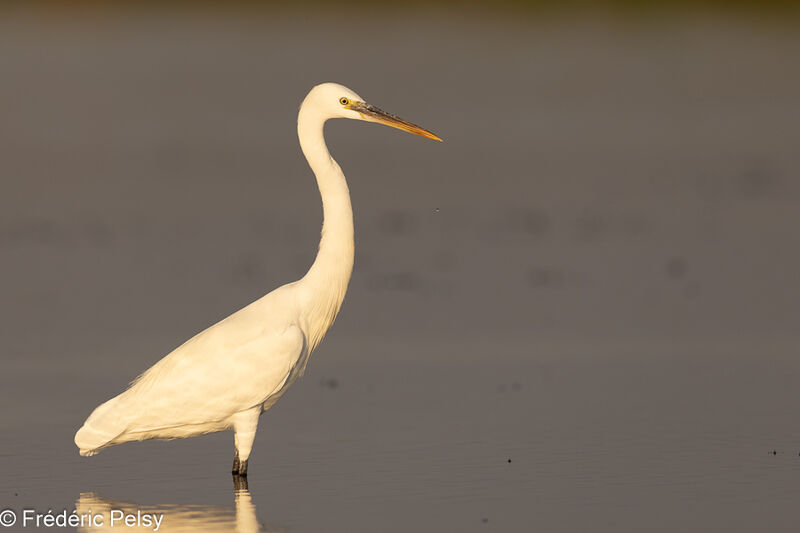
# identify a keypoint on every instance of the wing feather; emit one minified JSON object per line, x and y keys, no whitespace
{"x":240,"y":362}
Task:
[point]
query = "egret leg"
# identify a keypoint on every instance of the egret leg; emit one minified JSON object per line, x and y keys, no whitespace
{"x":244,"y":427}
{"x":235,"y":469}
{"x":239,"y":483}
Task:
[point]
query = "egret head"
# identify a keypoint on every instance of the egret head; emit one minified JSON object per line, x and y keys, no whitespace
{"x":337,"y":101}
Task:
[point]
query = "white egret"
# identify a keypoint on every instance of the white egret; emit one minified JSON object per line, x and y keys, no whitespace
{"x":227,"y":375}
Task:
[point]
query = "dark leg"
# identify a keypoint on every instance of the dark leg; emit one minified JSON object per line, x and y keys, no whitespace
{"x":235,"y":469}
{"x":239,"y":482}
{"x":243,"y":468}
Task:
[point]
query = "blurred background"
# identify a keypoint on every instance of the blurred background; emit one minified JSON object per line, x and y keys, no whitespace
{"x":580,"y":310}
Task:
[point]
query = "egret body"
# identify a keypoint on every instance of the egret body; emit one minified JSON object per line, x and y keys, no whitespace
{"x":227,"y":375}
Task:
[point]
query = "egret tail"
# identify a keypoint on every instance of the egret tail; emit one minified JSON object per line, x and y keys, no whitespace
{"x":102,"y":427}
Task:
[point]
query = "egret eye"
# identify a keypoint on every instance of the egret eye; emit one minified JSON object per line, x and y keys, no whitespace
{"x":344,"y":101}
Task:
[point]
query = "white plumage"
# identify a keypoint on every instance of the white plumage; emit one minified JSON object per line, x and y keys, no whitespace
{"x":227,"y":375}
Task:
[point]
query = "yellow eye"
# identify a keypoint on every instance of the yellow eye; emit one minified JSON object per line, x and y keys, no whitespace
{"x":344,"y":101}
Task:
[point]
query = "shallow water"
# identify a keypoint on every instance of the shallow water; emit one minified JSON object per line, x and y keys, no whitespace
{"x":579,"y":312}
{"x":667,"y":440}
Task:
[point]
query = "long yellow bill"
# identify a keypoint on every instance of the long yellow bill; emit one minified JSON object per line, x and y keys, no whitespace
{"x":373,"y":114}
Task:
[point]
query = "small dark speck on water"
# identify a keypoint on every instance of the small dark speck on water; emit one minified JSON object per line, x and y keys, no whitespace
{"x":509,"y":460}
{"x":774,"y":452}
{"x":676,"y":268}
{"x":329,"y":383}
{"x":484,"y":520}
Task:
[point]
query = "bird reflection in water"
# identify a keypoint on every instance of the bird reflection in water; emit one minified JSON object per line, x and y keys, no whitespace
{"x":241,"y":518}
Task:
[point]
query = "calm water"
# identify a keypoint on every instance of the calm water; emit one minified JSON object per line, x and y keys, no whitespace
{"x":578,"y":313}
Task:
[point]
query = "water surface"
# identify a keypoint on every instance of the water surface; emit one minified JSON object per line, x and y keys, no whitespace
{"x":578,"y":313}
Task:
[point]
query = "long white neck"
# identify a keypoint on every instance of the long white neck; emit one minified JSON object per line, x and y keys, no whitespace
{"x":325,"y":284}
